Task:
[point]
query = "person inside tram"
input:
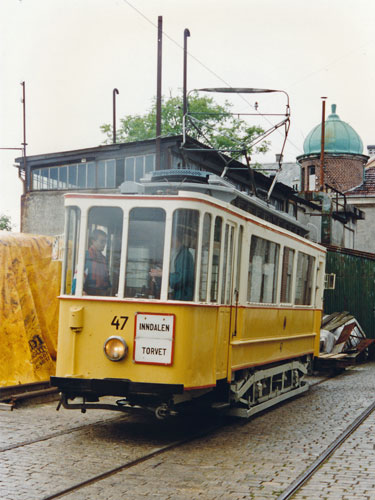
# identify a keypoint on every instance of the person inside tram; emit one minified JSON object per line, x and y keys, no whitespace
{"x":181,"y":275}
{"x":96,"y":280}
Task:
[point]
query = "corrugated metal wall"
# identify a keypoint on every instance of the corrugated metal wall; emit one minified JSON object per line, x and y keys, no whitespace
{"x":355,"y":286}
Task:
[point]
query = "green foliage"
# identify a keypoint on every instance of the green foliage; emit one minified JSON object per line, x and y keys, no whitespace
{"x":208,"y":122}
{"x":5,"y":223}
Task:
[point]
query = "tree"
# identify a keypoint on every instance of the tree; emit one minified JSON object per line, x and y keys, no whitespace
{"x":208,"y":122}
{"x":5,"y":223}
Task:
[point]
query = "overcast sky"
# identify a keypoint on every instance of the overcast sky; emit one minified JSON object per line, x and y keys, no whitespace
{"x":72,"y":53}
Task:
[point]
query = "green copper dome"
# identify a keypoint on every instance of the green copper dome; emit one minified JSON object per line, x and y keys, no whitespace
{"x":340,"y":137}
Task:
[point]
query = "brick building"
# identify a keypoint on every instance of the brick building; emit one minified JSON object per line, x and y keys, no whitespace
{"x":343,"y":159}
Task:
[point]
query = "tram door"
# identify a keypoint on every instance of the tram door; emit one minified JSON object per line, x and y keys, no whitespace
{"x":225,"y":298}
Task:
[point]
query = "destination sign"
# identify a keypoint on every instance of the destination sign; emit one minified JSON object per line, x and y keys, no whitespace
{"x":154,"y":336}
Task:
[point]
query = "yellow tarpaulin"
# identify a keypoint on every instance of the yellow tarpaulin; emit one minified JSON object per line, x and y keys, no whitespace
{"x":29,"y":286}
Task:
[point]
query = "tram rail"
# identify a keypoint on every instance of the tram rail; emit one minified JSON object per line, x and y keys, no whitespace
{"x":288,"y":493}
{"x":9,"y":395}
{"x":132,"y":463}
{"x":296,"y":485}
{"x":89,"y":425}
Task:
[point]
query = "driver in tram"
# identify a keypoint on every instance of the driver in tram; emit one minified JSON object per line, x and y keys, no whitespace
{"x":181,"y":276}
{"x":97,"y":280}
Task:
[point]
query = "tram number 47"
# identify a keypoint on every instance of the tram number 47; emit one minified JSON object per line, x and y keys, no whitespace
{"x":119,"y":322}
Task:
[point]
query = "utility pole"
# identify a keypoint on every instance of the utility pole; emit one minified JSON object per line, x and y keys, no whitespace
{"x":322,"y":144}
{"x":158,"y":92}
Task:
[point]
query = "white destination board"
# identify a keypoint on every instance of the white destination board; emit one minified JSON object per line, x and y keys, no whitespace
{"x":154,"y":334}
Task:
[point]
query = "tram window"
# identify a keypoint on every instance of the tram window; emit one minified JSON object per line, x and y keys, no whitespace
{"x":205,"y":257}
{"x":239,"y":257}
{"x":226,"y":285}
{"x":145,"y":252}
{"x":183,"y":254}
{"x":304,"y":279}
{"x":103,"y":251}
{"x":263,"y":267}
{"x":224,"y":273}
{"x":216,"y":259}
{"x":287,"y":276}
{"x":71,"y":250}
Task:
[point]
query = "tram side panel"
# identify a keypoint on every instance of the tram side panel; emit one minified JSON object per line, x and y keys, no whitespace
{"x":267,"y":335}
{"x":271,"y":331}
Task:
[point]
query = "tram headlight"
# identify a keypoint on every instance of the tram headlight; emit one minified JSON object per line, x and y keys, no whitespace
{"x":115,"y":348}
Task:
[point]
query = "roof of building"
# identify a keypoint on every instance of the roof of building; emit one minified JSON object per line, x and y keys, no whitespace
{"x":368,"y":186}
{"x":340,"y":137}
{"x":290,"y":173}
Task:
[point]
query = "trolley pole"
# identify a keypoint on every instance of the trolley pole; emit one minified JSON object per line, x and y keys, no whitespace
{"x":186,"y":35}
{"x":24,"y":144}
{"x":115,"y":91}
{"x":158,"y":92}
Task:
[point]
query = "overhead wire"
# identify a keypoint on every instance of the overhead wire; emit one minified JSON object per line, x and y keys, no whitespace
{"x":208,"y":69}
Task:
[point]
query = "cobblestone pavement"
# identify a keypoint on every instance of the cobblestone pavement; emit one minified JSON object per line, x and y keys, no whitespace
{"x":255,"y":459}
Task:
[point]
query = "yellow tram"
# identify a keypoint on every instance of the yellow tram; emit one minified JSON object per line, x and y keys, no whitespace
{"x":185,"y":297}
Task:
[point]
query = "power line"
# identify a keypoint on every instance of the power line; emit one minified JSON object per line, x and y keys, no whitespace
{"x":206,"y":68}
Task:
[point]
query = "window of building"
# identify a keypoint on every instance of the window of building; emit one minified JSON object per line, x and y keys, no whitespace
{"x":90,"y":175}
{"x":312,"y":178}
{"x":137,"y":167}
{"x":263,"y":268}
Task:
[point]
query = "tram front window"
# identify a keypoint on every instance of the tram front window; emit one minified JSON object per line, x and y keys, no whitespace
{"x":71,"y":250}
{"x":145,"y":250}
{"x":183,"y":254}
{"x":103,"y":249}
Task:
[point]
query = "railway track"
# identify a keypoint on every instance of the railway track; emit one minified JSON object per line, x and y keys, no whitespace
{"x":144,"y":458}
{"x":132,"y":463}
{"x":193,"y":435}
{"x":10,"y":395}
{"x":58,"y":434}
{"x":296,"y":485}
{"x":33,"y":390}
{"x":287,"y":494}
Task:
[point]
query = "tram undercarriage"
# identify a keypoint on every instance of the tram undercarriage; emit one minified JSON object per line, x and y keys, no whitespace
{"x":255,"y":391}
{"x":250,"y":392}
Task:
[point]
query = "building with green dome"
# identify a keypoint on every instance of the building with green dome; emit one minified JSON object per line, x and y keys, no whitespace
{"x":344,"y":160}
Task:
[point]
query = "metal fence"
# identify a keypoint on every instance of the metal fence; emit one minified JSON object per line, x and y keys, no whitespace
{"x":355,"y":286}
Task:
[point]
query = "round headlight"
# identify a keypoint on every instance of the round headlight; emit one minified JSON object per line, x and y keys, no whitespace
{"x":115,"y":348}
